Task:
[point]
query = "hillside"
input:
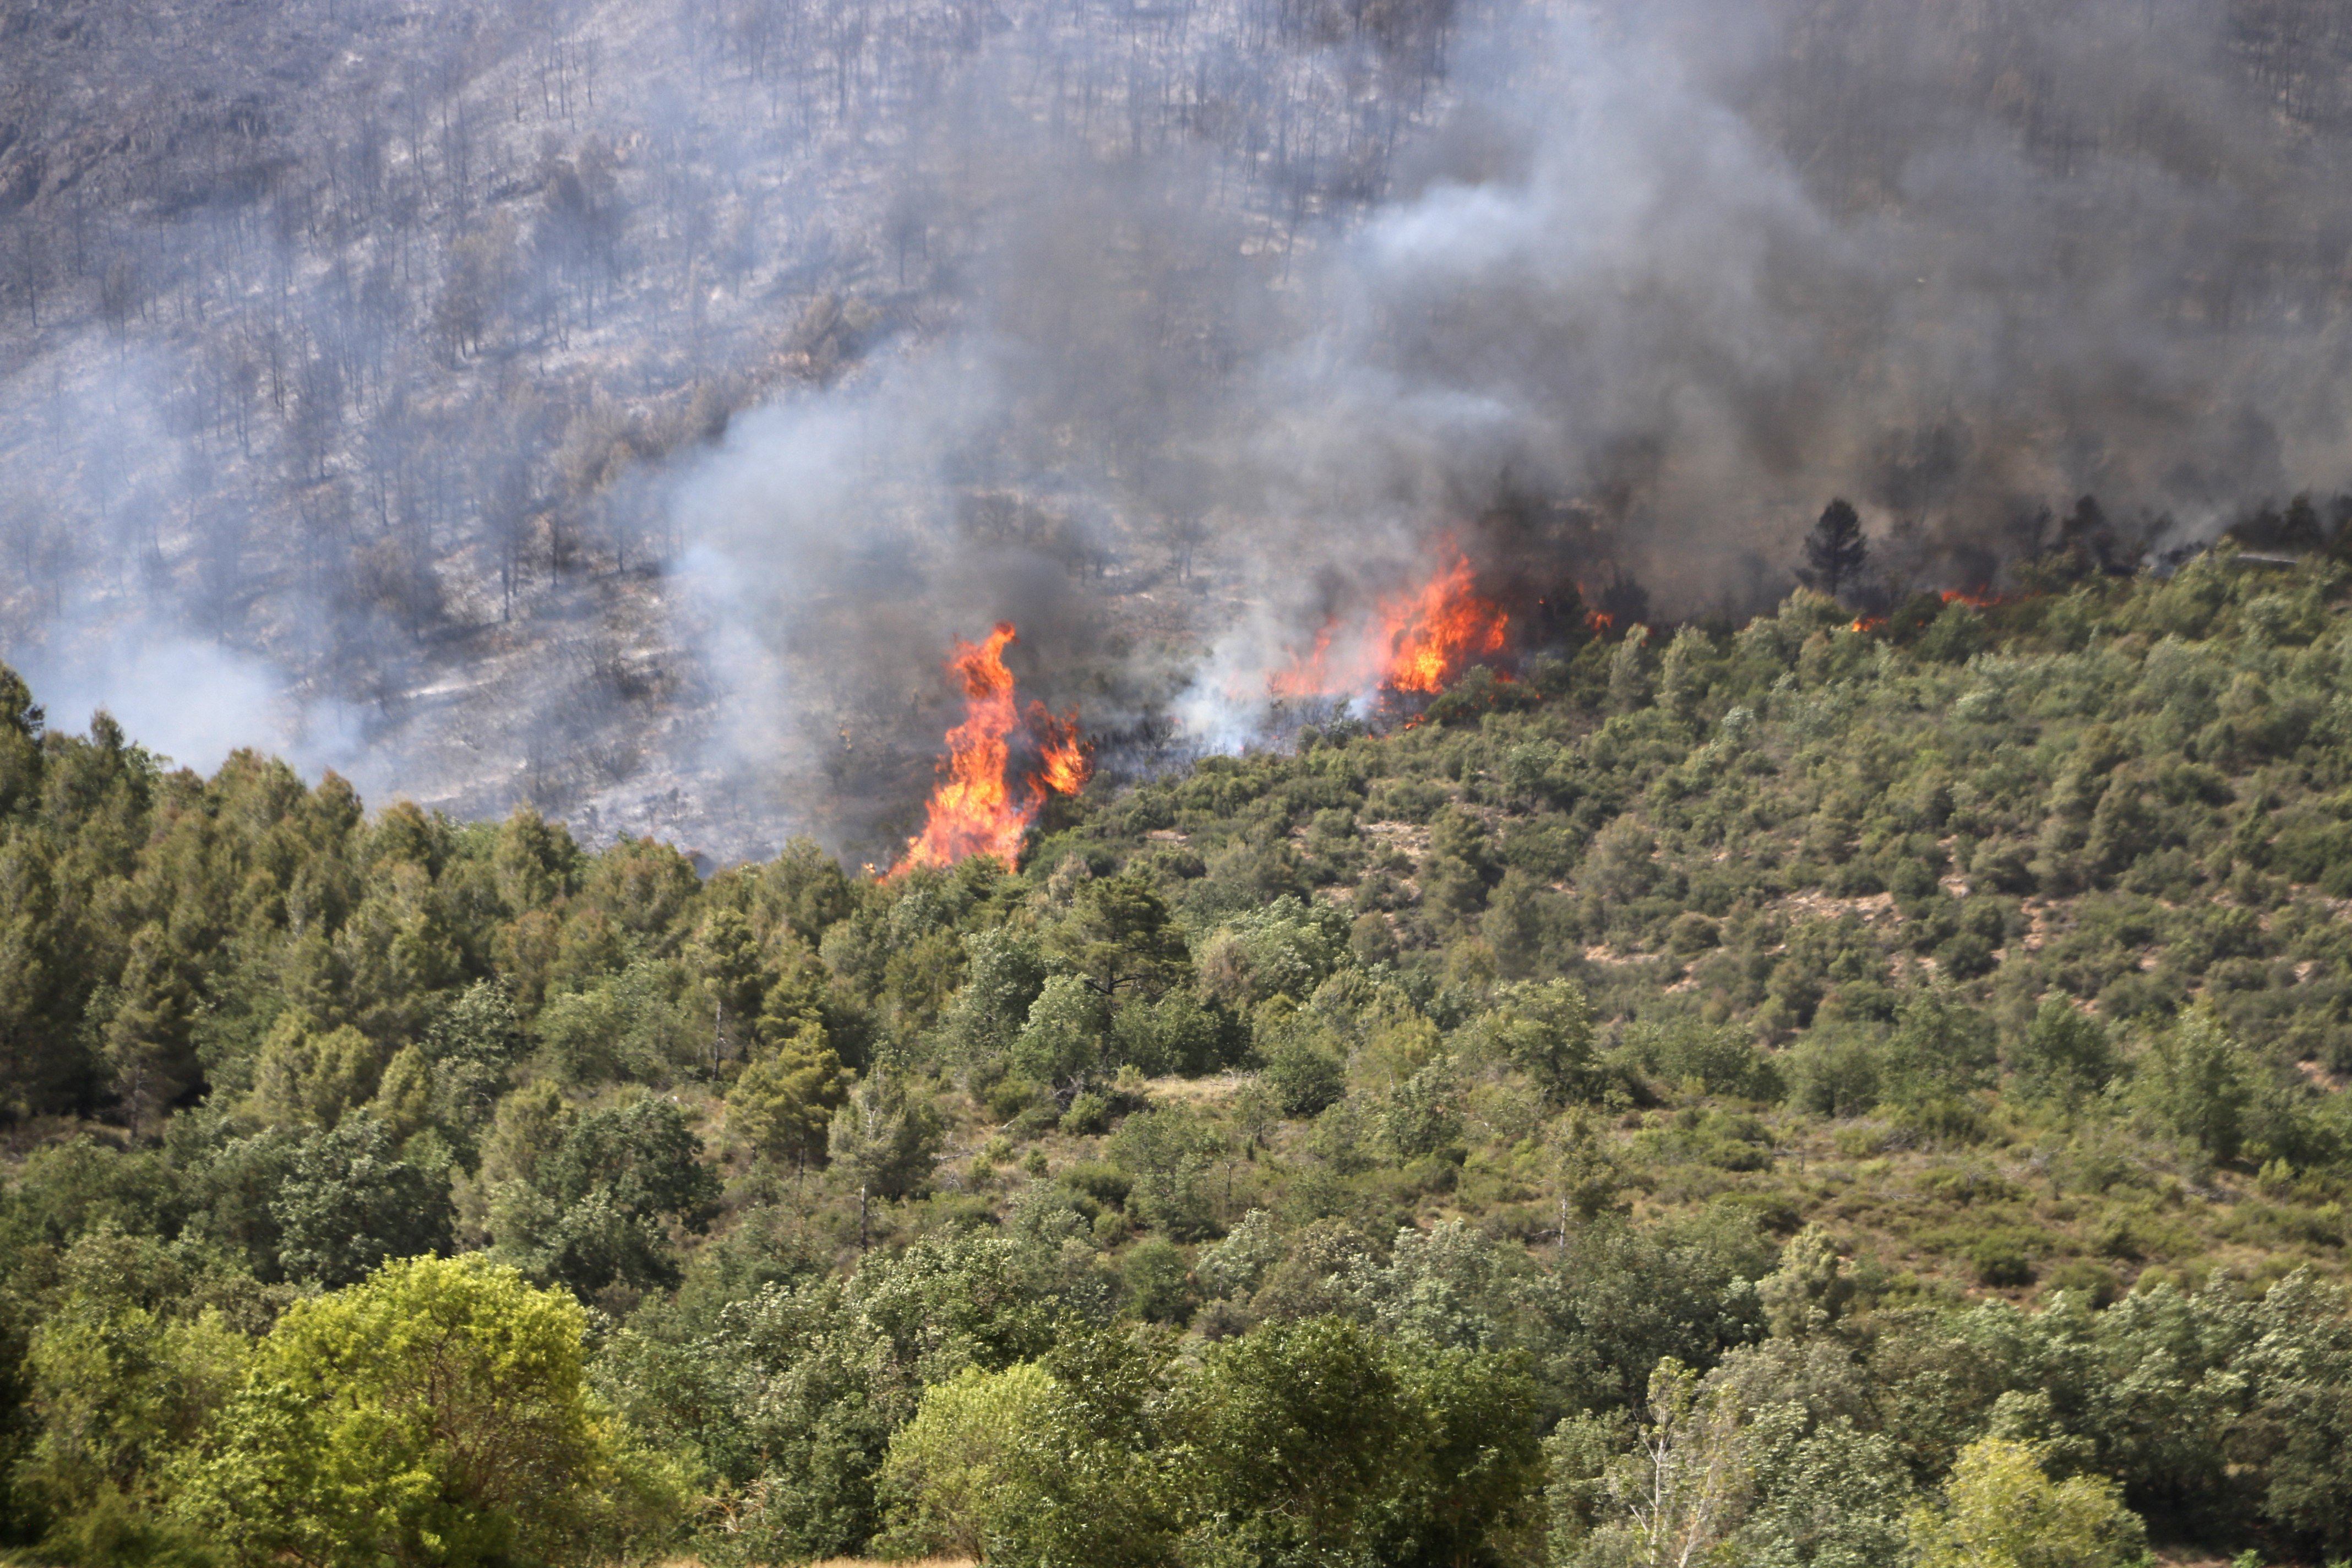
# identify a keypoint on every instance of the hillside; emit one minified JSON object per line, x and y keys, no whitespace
{"x":1802,"y":1092}
{"x":617,"y":405}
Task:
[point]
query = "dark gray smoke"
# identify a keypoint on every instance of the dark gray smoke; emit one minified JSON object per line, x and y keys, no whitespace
{"x":1675,"y":274}
{"x":1167,"y":333}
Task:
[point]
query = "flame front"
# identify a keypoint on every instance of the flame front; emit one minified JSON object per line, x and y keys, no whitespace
{"x":974,"y":809}
{"x":1440,"y":632}
{"x":1421,"y":641}
{"x":971,"y":812}
{"x":1063,"y":766}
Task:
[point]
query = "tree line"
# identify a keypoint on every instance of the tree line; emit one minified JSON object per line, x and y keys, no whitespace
{"x":1795,"y":1091}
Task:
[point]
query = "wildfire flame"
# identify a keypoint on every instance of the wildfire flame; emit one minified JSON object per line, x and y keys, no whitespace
{"x":1063,"y":766}
{"x":1420,"y":642}
{"x":1440,"y":632}
{"x":975,"y":809}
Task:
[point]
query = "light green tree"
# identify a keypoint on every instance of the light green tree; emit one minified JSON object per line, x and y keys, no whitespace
{"x":119,"y":1377}
{"x":437,"y":1412}
{"x":1675,"y":1501}
{"x":944,"y":1481}
{"x":2200,"y":1084}
{"x":309,"y":1077}
{"x":1062,"y":1043}
{"x":2000,"y":1510}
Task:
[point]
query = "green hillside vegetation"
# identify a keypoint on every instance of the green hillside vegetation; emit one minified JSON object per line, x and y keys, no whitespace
{"x":1779,"y":1094}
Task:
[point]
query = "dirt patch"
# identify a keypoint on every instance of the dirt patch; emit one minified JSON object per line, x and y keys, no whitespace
{"x":1210,"y":1091}
{"x":1871,"y":909}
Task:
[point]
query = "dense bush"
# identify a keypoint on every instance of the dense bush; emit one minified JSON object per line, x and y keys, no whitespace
{"x":1878,"y":1091}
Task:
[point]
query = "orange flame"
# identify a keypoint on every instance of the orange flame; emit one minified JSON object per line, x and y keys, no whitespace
{"x":1867,"y":623}
{"x":1982,"y":599}
{"x":1423,"y":640}
{"x":1064,"y":766}
{"x":1306,"y":676}
{"x":973,"y":810}
{"x":1440,"y":632}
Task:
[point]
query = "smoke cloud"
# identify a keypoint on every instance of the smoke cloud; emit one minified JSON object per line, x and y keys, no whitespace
{"x":1175,"y":336}
{"x":1652,"y":285}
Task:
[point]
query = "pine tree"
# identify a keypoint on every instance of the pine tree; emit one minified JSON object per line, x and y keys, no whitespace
{"x":783,"y":1102}
{"x":147,"y":1039}
{"x":1835,"y":552}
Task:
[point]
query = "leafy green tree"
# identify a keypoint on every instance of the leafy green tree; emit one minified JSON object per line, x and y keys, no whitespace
{"x":884,"y":1142}
{"x":437,"y":1414}
{"x":1835,"y":1071}
{"x":1629,"y":672}
{"x":400,"y":951}
{"x":2065,"y":1056}
{"x":479,"y":1025}
{"x":630,"y":1027}
{"x":22,"y":720}
{"x":1285,"y":949}
{"x":2000,"y":1510}
{"x":1300,"y":1430}
{"x":1545,"y":1031}
{"x":1677,"y":1496}
{"x":1621,"y":1298}
{"x":2199,"y":1084}
{"x":1941,"y":1050}
{"x":1305,"y":1071}
{"x":1317,"y":1441}
{"x":643,"y":887}
{"x":1810,"y":1291}
{"x":37,"y":1073}
{"x":1175,"y":1034}
{"x":1423,"y":1113}
{"x":1167,"y":1153}
{"x":535,"y":863}
{"x":1235,"y":1266}
{"x":1824,"y":1495}
{"x":805,"y":889}
{"x":1004,"y":972}
{"x":623,"y":1175}
{"x":471,"y":1048}
{"x":231,"y":1184}
{"x":1469,"y":1498}
{"x":1089,"y":1477}
{"x":1158,"y":1282}
{"x":123,"y":1371}
{"x":404,"y":1095}
{"x":1062,"y":1042}
{"x":2295,"y":1438}
{"x":351,"y":1202}
{"x":309,"y":1077}
{"x":729,"y":980}
{"x":793,"y":1396}
{"x":945,"y":1481}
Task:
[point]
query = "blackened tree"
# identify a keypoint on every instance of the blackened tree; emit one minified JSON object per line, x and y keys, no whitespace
{"x":1835,"y":552}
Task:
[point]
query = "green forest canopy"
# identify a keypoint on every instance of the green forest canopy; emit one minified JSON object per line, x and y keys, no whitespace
{"x":1779,"y":1094}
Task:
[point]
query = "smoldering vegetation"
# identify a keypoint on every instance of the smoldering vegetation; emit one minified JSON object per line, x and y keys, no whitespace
{"x":622,"y":407}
